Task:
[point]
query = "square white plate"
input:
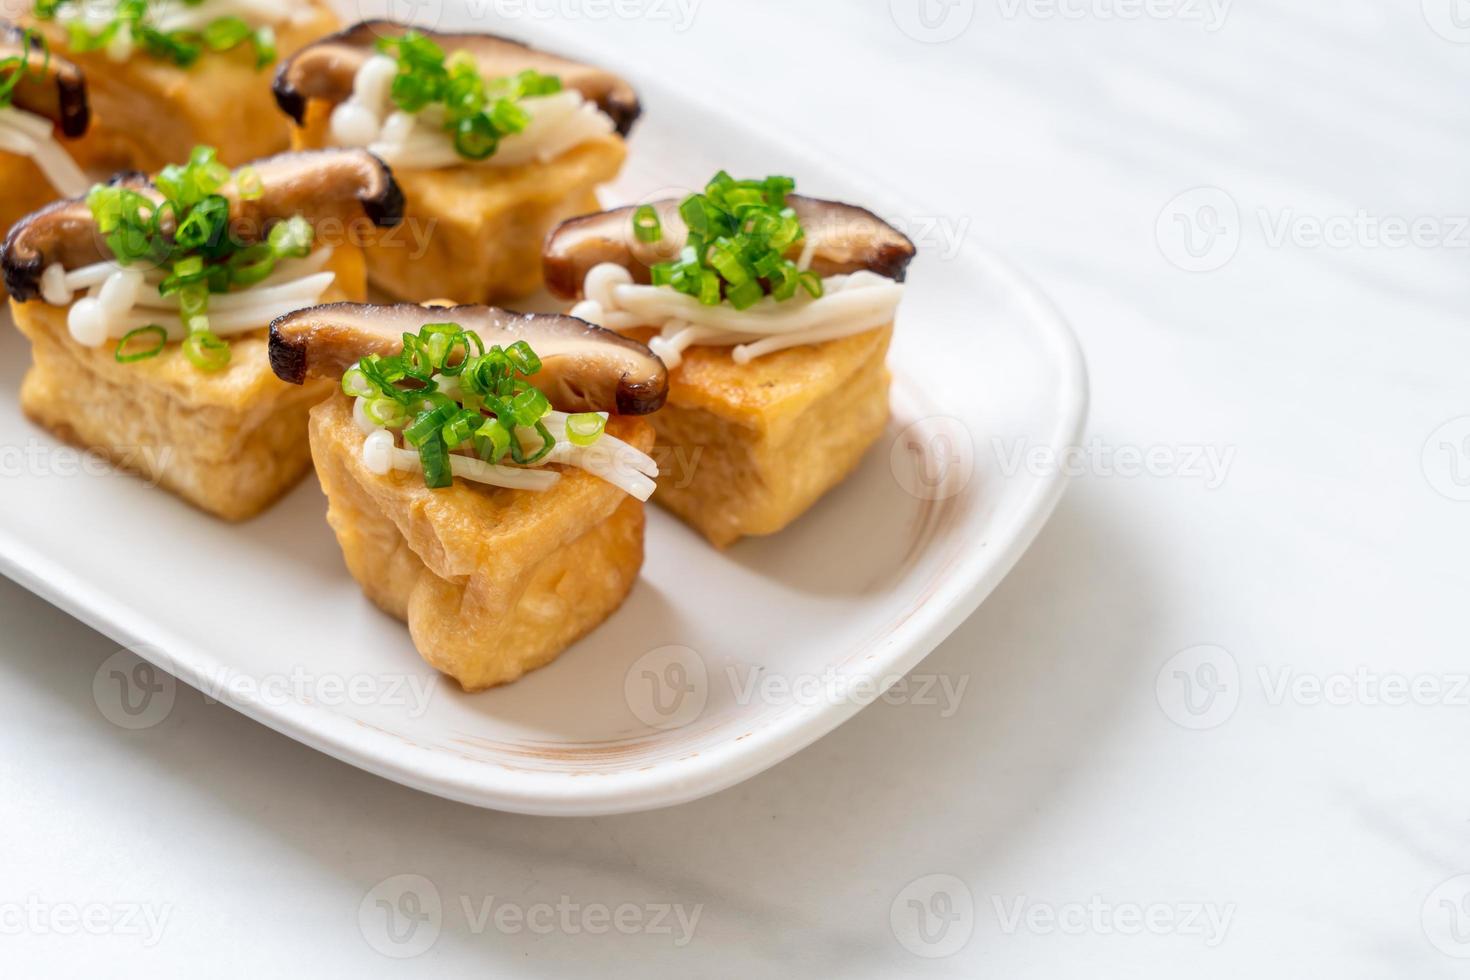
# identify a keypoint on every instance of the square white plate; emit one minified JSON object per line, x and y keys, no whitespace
{"x":718,"y":666}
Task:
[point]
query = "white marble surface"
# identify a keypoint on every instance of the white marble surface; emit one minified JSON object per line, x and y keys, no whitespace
{"x":1084,"y":829}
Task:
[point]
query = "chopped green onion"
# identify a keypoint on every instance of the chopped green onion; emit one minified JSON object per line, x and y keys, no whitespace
{"x":584,"y":428}
{"x":206,"y":351}
{"x":248,"y":183}
{"x":492,"y":398}
{"x":435,"y":458}
{"x":740,"y":232}
{"x":292,"y":238}
{"x":478,"y":112}
{"x":226,"y":33}
{"x":355,"y":384}
{"x":646,"y":226}
{"x":492,"y":441}
{"x":153,"y":329}
{"x":523,"y":358}
{"x":426,"y":426}
{"x":134,"y":19}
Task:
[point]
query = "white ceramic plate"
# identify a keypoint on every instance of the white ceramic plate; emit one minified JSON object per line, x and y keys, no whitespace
{"x":657,"y":707}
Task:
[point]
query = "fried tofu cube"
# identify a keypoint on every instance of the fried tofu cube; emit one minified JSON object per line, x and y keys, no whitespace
{"x":745,"y":449}
{"x":492,"y":582}
{"x":148,"y":112}
{"x":474,"y":233}
{"x":230,"y":442}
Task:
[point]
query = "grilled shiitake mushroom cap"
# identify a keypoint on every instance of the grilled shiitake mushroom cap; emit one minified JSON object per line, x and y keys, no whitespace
{"x":53,"y":87}
{"x":326,"y":69}
{"x":846,"y":239}
{"x":583,"y":368}
{"x":341,"y":184}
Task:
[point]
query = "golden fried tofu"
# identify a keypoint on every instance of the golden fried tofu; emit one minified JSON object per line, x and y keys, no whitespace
{"x":475,"y":233}
{"x":492,"y":582}
{"x":745,"y":449}
{"x":230,"y":442}
{"x":149,"y":112}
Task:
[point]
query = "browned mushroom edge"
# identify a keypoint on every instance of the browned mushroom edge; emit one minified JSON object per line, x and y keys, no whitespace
{"x":847,"y":238}
{"x":341,"y":184}
{"x":54,"y":87}
{"x":326,"y":69}
{"x":584,"y":368}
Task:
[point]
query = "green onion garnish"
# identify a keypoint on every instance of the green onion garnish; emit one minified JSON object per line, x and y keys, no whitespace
{"x":17,"y":67}
{"x":478,"y":112}
{"x":206,"y":351}
{"x":646,"y":226}
{"x":133,"y":21}
{"x":159,"y":334}
{"x":739,"y":234}
{"x":584,"y":428}
{"x":188,"y":233}
{"x":492,"y":399}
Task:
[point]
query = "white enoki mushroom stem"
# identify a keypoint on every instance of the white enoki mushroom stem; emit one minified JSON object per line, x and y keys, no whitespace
{"x":558,"y":123}
{"x":608,"y":458}
{"x":29,"y":135}
{"x":121,"y":299}
{"x":850,"y":304}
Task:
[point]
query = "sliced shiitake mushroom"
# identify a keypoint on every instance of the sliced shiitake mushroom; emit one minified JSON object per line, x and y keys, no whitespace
{"x":52,"y":87}
{"x":583,"y":368}
{"x":327,"y":68}
{"x":846,"y":239}
{"x":336,"y":184}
